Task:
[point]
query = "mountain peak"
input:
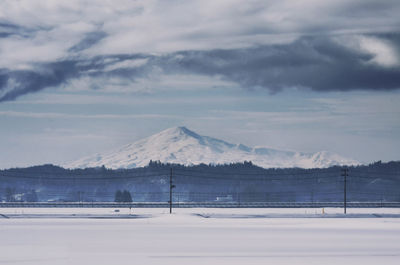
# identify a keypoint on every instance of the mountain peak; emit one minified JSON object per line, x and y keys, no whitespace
{"x":175,"y":134}
{"x":177,"y":130}
{"x":183,"y":146}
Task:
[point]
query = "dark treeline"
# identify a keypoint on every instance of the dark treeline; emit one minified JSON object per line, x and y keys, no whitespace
{"x":239,"y":182}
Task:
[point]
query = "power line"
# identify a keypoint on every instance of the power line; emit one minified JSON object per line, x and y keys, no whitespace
{"x":72,"y":177}
{"x":376,"y":172}
{"x":261,"y":178}
{"x":247,"y":173}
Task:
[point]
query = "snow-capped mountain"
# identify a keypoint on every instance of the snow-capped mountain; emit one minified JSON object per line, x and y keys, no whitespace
{"x":183,"y":146}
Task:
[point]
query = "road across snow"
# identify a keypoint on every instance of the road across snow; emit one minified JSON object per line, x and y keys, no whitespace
{"x":227,"y":236}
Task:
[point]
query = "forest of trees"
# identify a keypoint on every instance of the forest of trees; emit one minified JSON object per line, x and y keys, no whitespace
{"x":240,"y":182}
{"x":123,"y":196}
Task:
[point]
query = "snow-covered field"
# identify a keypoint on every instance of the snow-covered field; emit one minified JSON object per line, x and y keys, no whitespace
{"x":199,"y":236}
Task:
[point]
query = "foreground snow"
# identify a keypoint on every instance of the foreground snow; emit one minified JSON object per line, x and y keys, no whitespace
{"x":202,"y":212}
{"x":228,"y":236}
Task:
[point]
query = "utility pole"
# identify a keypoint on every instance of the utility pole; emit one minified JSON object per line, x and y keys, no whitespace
{"x":240,"y":184}
{"x":171,"y":186}
{"x":345,"y":174}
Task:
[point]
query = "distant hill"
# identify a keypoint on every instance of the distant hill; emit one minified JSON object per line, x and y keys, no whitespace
{"x":182,"y":146}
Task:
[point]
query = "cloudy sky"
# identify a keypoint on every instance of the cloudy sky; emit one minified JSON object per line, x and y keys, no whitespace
{"x":79,"y":77}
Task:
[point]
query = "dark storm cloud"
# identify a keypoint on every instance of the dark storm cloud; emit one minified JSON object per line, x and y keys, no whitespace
{"x":89,"y":40}
{"x":19,"y":82}
{"x":8,"y":29}
{"x":10,"y":26}
{"x":272,"y":45}
{"x":3,"y":79}
{"x":318,"y":63}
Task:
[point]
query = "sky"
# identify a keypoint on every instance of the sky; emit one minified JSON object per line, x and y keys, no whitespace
{"x":80,"y":77}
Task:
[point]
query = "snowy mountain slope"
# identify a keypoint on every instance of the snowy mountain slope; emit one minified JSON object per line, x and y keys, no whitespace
{"x":180,"y":145}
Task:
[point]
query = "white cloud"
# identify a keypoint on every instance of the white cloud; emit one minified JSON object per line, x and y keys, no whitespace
{"x":56,"y":115}
{"x":382,"y":51}
{"x":132,"y":63}
{"x":153,"y":26}
{"x":11,"y":84}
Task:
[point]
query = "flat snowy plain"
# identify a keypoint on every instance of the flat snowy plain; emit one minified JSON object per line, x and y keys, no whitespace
{"x":199,"y":236}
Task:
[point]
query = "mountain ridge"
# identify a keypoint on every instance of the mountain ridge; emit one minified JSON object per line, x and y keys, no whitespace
{"x":180,"y":145}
